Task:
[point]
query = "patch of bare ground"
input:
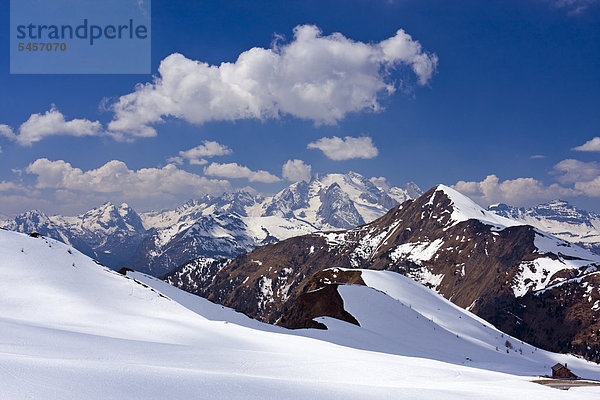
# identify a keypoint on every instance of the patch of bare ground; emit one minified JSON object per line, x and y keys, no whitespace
{"x":566,"y":384}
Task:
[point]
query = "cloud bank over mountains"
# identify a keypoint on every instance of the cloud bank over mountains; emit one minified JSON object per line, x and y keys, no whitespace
{"x":116,"y":180}
{"x":236,"y":171}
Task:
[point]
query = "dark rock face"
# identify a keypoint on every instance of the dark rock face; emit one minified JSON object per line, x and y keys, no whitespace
{"x":260,"y":282}
{"x":337,"y":209}
{"x":289,"y":199}
{"x":320,"y":298}
{"x":513,"y":276}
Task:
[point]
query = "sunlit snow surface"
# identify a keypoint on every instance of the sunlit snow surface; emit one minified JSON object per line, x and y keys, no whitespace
{"x":463,"y":209}
{"x":71,"y":329}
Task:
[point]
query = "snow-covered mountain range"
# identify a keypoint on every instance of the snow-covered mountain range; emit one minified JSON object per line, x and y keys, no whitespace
{"x":218,"y":226}
{"x":523,"y":280}
{"x":560,"y":218}
{"x":74,"y":329}
{"x":107,"y":233}
{"x":234,"y":223}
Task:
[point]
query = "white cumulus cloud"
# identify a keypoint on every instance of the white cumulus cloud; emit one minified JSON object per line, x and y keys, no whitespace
{"x":197,"y":155}
{"x":236,"y":171}
{"x":590,"y":145}
{"x":313,"y":77}
{"x":347,"y":148}
{"x":518,"y":191}
{"x":53,"y":123}
{"x":296,"y":171}
{"x":7,"y":131}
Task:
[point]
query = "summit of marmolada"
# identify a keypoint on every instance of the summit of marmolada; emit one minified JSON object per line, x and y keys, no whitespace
{"x":280,"y":200}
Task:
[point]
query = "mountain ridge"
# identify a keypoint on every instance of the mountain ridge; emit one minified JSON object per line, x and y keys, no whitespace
{"x":511,"y":274}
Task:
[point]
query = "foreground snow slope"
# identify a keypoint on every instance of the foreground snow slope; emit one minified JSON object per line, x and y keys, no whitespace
{"x":400,"y":316}
{"x":405,"y":317}
{"x":71,"y":329}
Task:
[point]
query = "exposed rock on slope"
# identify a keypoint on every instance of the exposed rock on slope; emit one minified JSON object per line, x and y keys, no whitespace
{"x":320,"y":298}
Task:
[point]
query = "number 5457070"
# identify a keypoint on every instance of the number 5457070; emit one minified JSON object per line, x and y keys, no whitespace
{"x":54,"y":46}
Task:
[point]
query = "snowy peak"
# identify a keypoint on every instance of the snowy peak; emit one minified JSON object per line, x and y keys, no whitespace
{"x":236,"y":202}
{"x":290,"y":199}
{"x":108,"y":218}
{"x":337,"y":209}
{"x":337,"y":201}
{"x":446,"y":200}
{"x":326,"y":202}
{"x":107,"y":233}
{"x":557,"y":203}
{"x":32,"y":221}
{"x":361,"y":190}
{"x":184,"y":216}
{"x":35,"y":221}
{"x":412,"y":190}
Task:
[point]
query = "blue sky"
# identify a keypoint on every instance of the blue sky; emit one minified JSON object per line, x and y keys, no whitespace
{"x":493,"y":99}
